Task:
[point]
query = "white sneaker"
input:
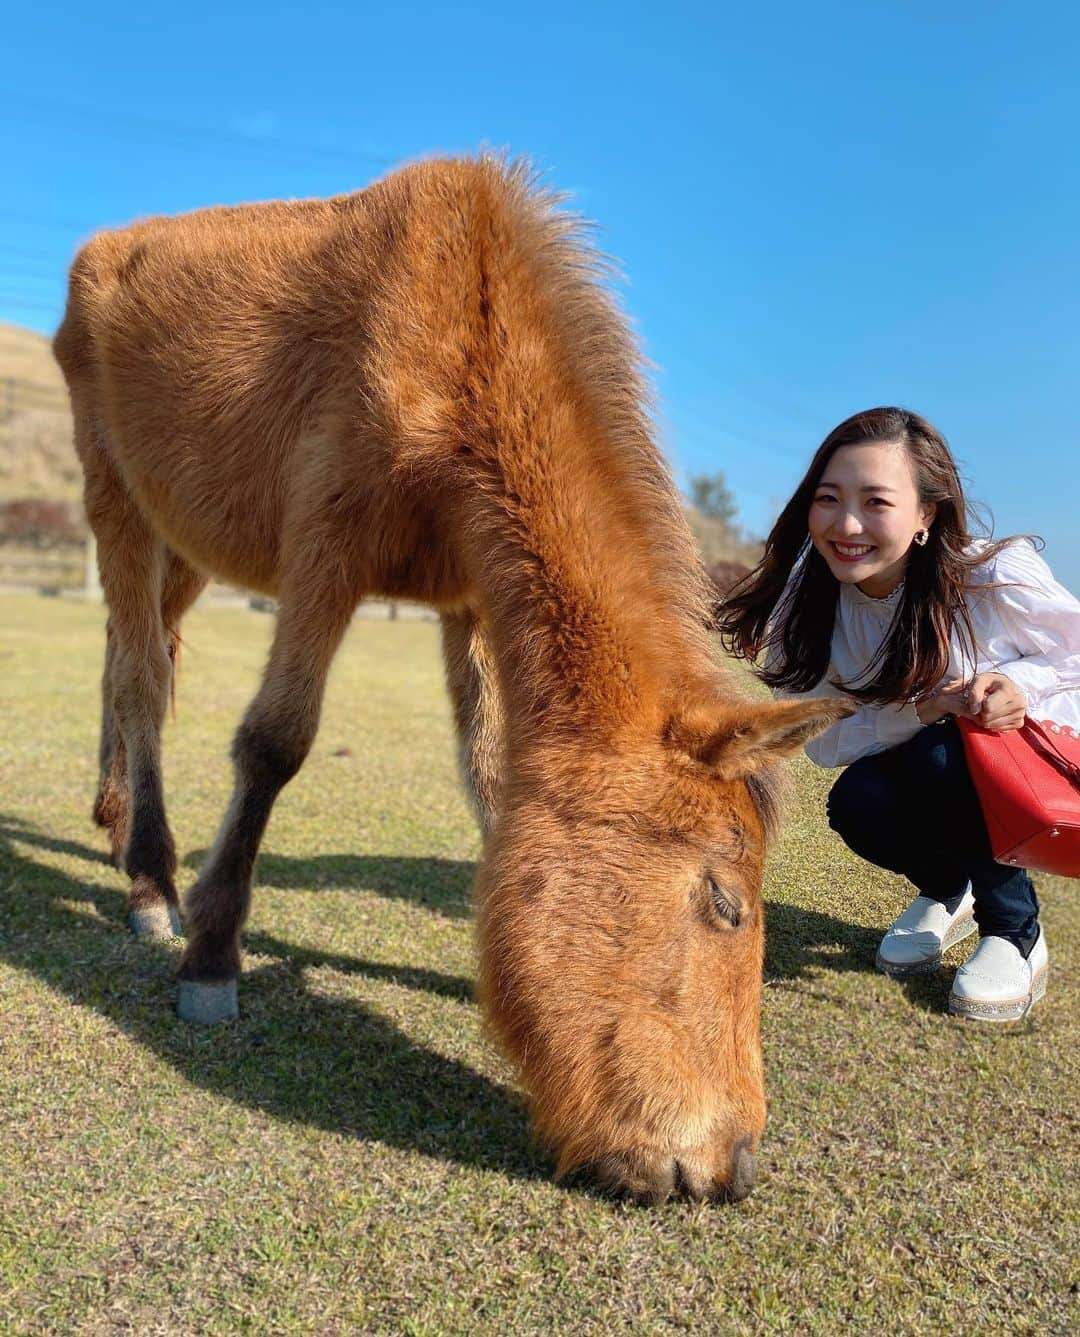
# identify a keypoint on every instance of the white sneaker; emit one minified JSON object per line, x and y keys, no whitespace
{"x":997,"y":984}
{"x":914,"y":942}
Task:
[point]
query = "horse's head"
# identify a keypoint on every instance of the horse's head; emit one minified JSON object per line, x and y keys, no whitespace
{"x":621,"y":934}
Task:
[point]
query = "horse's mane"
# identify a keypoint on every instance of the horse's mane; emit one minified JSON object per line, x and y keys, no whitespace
{"x":607,"y":362}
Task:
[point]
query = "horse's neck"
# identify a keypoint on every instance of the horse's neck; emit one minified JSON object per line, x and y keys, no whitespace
{"x":589,"y":623}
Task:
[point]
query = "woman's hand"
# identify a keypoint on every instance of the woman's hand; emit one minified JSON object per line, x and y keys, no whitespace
{"x":996,"y":702}
{"x":991,"y":699}
{"x":951,"y":698}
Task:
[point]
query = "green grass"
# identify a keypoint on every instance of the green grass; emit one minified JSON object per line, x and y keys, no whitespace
{"x":351,"y":1156}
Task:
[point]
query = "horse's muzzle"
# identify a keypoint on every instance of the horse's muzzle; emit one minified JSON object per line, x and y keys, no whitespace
{"x":653,"y":1177}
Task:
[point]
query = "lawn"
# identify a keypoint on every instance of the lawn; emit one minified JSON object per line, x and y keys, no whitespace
{"x":352,"y":1156}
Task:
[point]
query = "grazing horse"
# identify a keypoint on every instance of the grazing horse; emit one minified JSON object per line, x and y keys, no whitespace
{"x":422,"y":391}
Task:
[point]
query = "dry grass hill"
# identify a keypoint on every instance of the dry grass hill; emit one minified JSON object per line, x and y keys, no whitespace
{"x":27,"y":356}
{"x":37,"y":459}
{"x":36,"y":456}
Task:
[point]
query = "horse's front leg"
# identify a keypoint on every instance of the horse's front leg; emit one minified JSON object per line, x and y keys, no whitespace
{"x":138,"y":671}
{"x":181,"y":586}
{"x":110,"y":810}
{"x":268,"y":750}
{"x":474,"y":691}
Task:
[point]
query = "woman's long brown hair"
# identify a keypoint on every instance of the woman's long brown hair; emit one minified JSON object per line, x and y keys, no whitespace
{"x":786,"y":606}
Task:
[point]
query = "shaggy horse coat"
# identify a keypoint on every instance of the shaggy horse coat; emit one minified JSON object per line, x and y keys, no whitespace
{"x":421,"y":391}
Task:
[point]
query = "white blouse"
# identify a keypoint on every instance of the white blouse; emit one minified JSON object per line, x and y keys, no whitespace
{"x":1028,"y":630}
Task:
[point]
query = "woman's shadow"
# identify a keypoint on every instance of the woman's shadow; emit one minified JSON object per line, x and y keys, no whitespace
{"x":799,"y":940}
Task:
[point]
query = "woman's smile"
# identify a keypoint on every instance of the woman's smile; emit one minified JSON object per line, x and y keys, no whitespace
{"x":851,"y":552}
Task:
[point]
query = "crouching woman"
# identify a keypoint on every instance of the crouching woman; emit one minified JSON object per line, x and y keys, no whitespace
{"x":873,"y":587}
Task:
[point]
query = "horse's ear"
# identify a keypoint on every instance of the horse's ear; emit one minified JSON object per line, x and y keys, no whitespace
{"x":739,"y":739}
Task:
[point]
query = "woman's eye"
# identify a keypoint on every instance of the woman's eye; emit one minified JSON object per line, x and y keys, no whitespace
{"x":725,"y":905}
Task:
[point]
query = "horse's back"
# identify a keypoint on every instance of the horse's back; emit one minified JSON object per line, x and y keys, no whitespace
{"x":256,"y":371}
{"x":211,"y":356}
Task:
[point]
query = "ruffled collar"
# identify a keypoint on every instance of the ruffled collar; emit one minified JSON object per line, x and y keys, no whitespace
{"x":888,"y":604}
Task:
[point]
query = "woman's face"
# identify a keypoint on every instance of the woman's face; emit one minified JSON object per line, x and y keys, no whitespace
{"x":865,"y":513}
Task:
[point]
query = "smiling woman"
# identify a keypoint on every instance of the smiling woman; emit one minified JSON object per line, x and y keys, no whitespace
{"x":873,"y":588}
{"x":864,"y":530}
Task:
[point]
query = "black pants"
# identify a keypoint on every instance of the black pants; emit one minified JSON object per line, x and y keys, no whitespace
{"x":914,"y":810}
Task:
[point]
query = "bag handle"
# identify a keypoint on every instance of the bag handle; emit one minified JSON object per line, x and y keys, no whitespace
{"x":1045,"y":742}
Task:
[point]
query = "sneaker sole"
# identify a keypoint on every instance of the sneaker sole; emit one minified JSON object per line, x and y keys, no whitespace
{"x":1002,"y":1009}
{"x":963,"y":928}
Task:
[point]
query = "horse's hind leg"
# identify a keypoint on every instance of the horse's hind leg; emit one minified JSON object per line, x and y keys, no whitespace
{"x":474,"y":692}
{"x":269,"y":748}
{"x":132,"y":560}
{"x":181,"y":587}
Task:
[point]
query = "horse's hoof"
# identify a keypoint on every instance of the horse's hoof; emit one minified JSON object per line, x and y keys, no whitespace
{"x":157,"y":921}
{"x":207,"y":1004}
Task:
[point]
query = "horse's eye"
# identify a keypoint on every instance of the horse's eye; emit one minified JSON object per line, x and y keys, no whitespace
{"x":725,"y":904}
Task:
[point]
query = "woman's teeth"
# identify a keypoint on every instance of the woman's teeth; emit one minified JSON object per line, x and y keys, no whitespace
{"x":853,"y":550}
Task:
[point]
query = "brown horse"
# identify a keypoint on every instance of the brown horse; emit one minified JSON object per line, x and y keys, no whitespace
{"x":421,"y":391}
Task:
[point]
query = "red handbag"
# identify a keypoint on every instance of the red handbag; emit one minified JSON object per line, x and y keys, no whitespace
{"x":1028,"y":782}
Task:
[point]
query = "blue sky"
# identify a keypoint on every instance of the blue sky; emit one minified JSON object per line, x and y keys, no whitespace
{"x":817,"y":207}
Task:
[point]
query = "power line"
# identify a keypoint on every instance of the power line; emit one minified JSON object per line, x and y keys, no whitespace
{"x":20,"y":304}
{"x":37,"y":220}
{"x":34,"y":257}
{"x":265,"y":146}
{"x":56,"y":274}
{"x":784,"y":407}
{"x":699,"y":429}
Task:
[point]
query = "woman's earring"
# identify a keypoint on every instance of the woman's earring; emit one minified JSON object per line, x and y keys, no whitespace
{"x":922,"y":537}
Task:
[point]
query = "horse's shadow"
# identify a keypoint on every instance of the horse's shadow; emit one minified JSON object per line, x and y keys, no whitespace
{"x":305,"y":1057}
{"x":436,"y":884}
{"x":302,"y":1056}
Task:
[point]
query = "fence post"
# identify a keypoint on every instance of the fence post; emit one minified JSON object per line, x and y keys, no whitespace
{"x":92,"y":587}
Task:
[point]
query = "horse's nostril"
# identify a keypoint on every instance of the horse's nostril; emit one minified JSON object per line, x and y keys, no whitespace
{"x":743,"y":1171}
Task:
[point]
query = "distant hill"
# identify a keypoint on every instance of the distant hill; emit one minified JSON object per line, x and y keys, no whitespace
{"x":721,"y":542}
{"x":27,"y":356}
{"x":36,"y":454}
{"x":37,"y":458}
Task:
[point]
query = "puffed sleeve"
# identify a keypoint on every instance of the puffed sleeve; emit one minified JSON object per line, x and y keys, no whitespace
{"x":871,"y":729}
{"x":1040,"y":619}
